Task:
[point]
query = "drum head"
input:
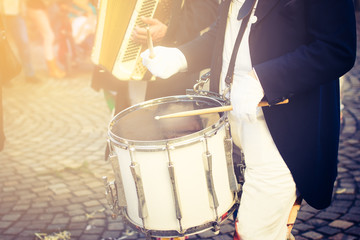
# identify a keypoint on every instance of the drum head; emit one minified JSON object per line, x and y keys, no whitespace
{"x":138,"y":122}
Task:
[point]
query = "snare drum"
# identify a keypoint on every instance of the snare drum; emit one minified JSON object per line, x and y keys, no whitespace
{"x":175,"y":176}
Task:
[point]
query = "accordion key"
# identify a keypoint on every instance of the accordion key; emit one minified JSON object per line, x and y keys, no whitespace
{"x":113,"y":49}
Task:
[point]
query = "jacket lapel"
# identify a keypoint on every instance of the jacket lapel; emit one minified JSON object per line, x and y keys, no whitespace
{"x":219,"y":44}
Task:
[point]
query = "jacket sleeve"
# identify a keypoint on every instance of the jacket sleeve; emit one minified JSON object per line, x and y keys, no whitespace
{"x":189,"y":21}
{"x":329,"y":52}
{"x":205,"y":50}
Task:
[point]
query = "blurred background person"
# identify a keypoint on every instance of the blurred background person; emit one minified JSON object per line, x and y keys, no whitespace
{"x":13,"y":12}
{"x":83,"y":22}
{"x":74,"y":23}
{"x":37,"y":13}
{"x":61,"y":24}
{"x":9,"y":68}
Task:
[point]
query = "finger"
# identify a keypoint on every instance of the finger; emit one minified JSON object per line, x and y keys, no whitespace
{"x":139,"y":35}
{"x":140,"y":30}
{"x":150,"y":21}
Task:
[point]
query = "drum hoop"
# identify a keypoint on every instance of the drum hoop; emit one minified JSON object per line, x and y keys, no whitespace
{"x":160,"y":145}
{"x":190,"y":231}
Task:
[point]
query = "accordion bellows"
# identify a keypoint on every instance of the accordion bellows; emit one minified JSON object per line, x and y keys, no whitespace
{"x":114,"y":50}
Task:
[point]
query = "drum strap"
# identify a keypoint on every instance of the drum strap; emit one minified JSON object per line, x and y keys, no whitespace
{"x":244,"y":15}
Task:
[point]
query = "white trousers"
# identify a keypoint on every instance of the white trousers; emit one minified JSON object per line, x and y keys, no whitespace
{"x":269,"y":191}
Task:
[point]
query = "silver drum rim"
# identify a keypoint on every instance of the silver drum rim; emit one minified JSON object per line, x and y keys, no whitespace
{"x":157,"y":145}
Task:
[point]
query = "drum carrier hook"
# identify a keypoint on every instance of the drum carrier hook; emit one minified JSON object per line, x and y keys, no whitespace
{"x":198,"y":87}
{"x":204,"y":79}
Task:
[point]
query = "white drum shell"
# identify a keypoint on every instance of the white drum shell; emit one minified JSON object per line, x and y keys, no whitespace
{"x":187,"y":154}
{"x":191,"y":180}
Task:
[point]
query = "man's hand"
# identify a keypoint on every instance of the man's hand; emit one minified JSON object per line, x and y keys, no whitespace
{"x":157,"y":30}
{"x":167,"y":61}
{"x":246,"y":93}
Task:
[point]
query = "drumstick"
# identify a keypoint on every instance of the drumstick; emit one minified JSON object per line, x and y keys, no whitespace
{"x":210,"y":110}
{"x":150,"y":43}
{"x":196,"y":112}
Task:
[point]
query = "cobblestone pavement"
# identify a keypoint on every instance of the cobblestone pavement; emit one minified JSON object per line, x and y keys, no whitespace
{"x":52,"y":167}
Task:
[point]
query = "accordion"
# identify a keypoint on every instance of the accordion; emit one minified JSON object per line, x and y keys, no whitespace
{"x":113,"y":49}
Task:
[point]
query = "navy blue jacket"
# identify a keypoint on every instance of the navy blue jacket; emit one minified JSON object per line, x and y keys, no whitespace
{"x":299,"y":49}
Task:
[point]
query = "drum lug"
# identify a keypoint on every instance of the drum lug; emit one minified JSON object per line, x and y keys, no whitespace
{"x":207,"y":159}
{"x":228,"y":144}
{"x":135,"y":170}
{"x":136,"y":173}
{"x":171,"y":169}
{"x":119,"y":186}
{"x":111,"y":197}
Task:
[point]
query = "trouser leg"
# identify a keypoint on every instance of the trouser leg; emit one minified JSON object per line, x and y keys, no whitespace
{"x":269,"y":190}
